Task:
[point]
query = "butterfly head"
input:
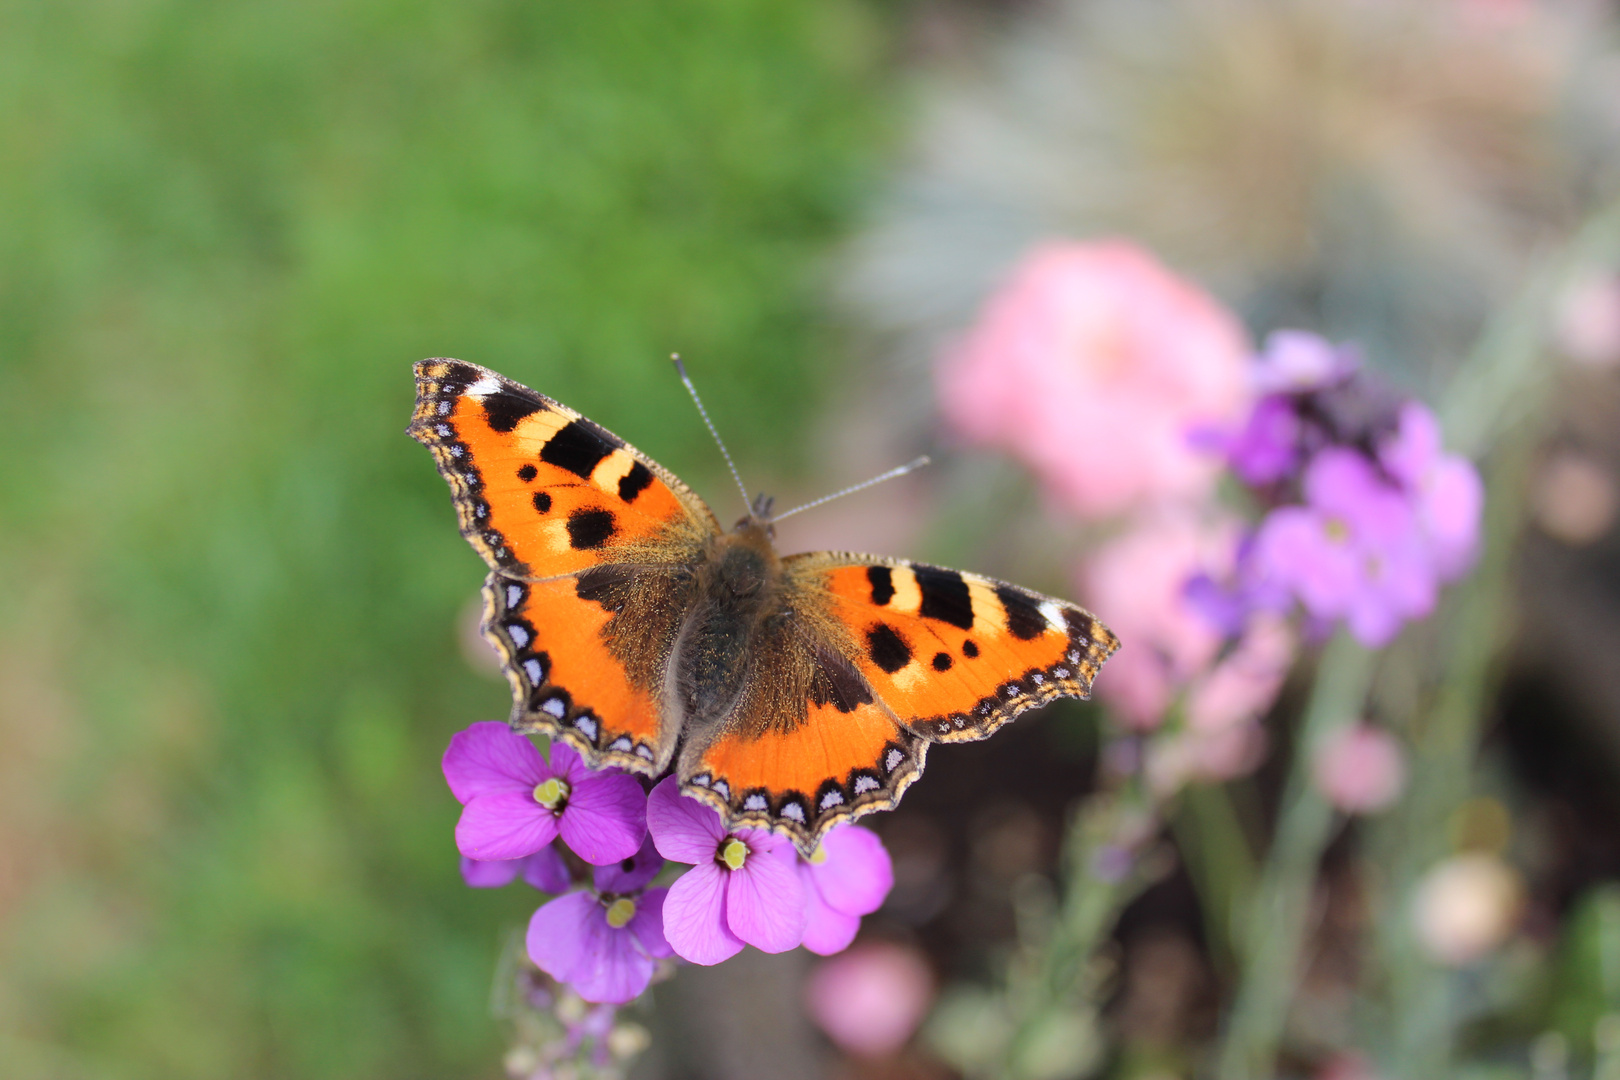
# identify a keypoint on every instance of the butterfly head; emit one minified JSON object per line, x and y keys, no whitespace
{"x":759,"y":517}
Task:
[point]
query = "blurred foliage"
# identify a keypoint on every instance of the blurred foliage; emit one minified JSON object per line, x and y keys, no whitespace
{"x":229,"y":583}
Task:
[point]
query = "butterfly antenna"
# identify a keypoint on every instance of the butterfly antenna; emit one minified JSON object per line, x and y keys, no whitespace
{"x":680,"y":369}
{"x":910,"y":466}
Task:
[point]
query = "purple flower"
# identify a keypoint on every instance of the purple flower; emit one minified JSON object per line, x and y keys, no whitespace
{"x":849,"y":876}
{"x":1297,"y":361}
{"x":545,"y":870}
{"x":1268,"y":447}
{"x":515,"y":803}
{"x":1446,"y":488}
{"x":744,"y":888}
{"x":606,"y":942}
{"x":1353,"y":552}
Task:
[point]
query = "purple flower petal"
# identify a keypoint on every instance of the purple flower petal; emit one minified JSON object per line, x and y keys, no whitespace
{"x":546,"y":871}
{"x":695,"y":916}
{"x":1415,"y":447}
{"x":632,"y":873}
{"x":567,"y":764}
{"x":558,"y":938}
{"x":648,"y":923}
{"x":1452,"y":502}
{"x":570,"y":940}
{"x":857,"y":874}
{"x":490,"y":757}
{"x":826,"y":930}
{"x":622,"y":969}
{"x":606,"y":818}
{"x":684,"y":829}
{"x":1267,"y":448}
{"x":504,"y":825}
{"x":490,"y":873}
{"x":765,"y":899}
{"x":1297,"y":360}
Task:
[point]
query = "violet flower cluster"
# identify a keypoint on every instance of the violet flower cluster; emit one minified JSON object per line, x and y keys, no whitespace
{"x":608,"y":928}
{"x":1129,"y":393}
{"x":1366,"y":515}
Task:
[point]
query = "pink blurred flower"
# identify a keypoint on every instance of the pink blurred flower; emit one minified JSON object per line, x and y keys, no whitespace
{"x":1360,"y":769}
{"x":1588,"y":323}
{"x":743,"y":889}
{"x":1213,"y":756}
{"x":1094,"y":364}
{"x":869,"y":1000}
{"x":1140,"y":579}
{"x":1245,"y":683}
{"x":1348,"y":1065}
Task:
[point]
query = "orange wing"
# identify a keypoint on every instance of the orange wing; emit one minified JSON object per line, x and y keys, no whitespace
{"x":540,"y":491}
{"x":954,"y":656}
{"x":878,"y":658}
{"x":589,"y":542}
{"x":803,"y":775}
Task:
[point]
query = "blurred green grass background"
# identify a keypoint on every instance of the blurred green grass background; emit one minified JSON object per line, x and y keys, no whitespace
{"x":229,"y":583}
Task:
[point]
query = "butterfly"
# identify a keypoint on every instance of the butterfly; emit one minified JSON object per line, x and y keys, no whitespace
{"x":789,"y":693}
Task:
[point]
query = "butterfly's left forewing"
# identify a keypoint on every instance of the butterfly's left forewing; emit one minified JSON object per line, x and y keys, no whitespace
{"x":590,"y":544}
{"x":540,"y":491}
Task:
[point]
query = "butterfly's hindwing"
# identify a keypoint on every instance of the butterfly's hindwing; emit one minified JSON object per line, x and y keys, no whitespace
{"x":586,"y":659}
{"x":808,"y":744}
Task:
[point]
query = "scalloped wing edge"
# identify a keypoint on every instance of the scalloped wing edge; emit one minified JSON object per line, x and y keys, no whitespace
{"x":805,"y":819}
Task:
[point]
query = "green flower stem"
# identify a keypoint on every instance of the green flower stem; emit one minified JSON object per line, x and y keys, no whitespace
{"x":1056,"y":985}
{"x":1210,"y":836}
{"x":1496,"y":404}
{"x":1444,"y":741}
{"x":1270,"y":948}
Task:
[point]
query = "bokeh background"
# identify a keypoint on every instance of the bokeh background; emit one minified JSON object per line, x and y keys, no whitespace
{"x":234,"y":609}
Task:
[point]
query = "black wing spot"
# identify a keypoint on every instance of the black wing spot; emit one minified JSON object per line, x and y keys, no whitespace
{"x":882,"y":579}
{"x":970,"y":648}
{"x":505,"y":409}
{"x":588,"y":528}
{"x":943,"y":661}
{"x":887,"y":648}
{"x":542,"y":502}
{"x":1024,"y":616}
{"x":634,"y":482}
{"x":579,"y":448}
{"x":527,"y":473}
{"x":944,"y":596}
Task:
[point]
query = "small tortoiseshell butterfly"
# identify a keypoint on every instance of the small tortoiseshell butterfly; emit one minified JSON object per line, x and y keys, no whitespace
{"x":788,"y":693}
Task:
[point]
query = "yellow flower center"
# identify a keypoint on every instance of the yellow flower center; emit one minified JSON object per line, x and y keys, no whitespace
{"x":734,"y":853}
{"x":1336,"y":529}
{"x":818,"y":856}
{"x":553,"y":794}
{"x":620,"y":912}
